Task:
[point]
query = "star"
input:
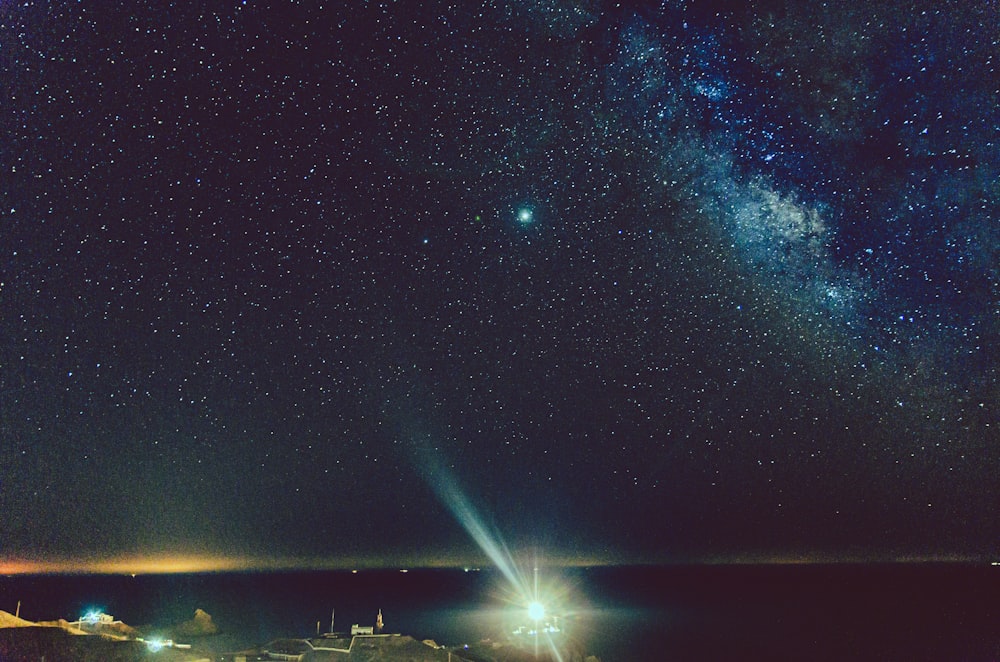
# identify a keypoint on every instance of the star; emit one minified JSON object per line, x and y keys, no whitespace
{"x":525,"y":215}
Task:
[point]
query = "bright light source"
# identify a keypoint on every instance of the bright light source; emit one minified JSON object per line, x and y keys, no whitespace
{"x":155,"y":645}
{"x":524,"y":215}
{"x":536,"y":611}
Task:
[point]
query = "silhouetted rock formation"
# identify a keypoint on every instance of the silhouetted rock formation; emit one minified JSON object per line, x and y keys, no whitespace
{"x":199,"y":626}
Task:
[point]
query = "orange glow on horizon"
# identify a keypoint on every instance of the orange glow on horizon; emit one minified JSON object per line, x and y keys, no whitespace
{"x":137,"y":565}
{"x":180,"y":562}
{"x":164,"y":564}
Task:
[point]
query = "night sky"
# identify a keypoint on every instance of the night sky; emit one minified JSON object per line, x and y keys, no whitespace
{"x":642,"y":282}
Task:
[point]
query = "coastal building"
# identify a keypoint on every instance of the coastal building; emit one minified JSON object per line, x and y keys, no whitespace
{"x":95,"y":620}
{"x":343,"y":648}
{"x":289,"y":650}
{"x":365,"y":642}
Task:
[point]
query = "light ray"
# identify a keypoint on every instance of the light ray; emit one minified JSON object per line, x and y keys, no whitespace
{"x":446,"y":487}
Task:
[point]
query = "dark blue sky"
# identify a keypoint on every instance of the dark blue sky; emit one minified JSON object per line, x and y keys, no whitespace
{"x":647,"y":282}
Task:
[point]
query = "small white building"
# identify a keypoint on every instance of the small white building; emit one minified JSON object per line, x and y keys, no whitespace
{"x":95,"y":619}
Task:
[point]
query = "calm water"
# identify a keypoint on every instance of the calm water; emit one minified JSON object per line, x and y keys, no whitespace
{"x":927,"y":612}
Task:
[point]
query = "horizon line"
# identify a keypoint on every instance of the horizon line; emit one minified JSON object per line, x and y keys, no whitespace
{"x":166,"y":564}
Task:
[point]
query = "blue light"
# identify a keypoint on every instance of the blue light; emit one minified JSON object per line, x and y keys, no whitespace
{"x":92,"y":616}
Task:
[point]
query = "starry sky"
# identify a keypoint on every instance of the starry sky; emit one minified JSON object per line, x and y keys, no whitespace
{"x":641,"y":281}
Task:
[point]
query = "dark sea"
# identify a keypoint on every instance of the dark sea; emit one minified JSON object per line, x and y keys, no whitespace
{"x":792,"y":612}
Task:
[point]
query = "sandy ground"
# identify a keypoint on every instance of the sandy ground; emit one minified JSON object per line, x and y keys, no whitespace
{"x":8,"y":620}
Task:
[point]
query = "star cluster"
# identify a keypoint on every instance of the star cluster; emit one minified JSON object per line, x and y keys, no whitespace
{"x":656,"y":281}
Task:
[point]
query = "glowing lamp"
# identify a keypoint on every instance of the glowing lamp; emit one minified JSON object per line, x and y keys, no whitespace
{"x":536,"y":611}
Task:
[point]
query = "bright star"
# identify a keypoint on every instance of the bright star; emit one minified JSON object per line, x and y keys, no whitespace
{"x":524,"y":215}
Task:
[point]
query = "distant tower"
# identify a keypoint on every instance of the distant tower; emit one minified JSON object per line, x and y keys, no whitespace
{"x":378,"y":621}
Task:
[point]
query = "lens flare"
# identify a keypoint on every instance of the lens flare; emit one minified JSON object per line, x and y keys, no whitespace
{"x":543,"y":604}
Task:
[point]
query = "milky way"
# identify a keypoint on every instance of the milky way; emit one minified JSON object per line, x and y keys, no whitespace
{"x":655,"y":282}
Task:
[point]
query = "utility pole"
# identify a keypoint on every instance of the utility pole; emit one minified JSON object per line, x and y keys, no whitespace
{"x":17,"y":613}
